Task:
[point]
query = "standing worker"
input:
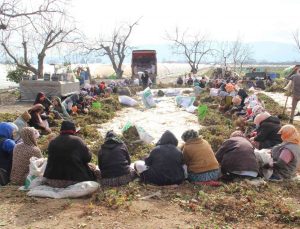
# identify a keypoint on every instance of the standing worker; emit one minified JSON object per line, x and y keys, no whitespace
{"x":295,"y":91}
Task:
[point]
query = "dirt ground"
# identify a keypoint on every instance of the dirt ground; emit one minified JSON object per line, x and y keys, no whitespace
{"x":172,"y":207}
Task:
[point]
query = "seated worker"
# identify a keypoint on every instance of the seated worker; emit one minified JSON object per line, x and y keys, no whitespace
{"x":22,"y":153}
{"x":38,"y":120}
{"x":179,"y":81}
{"x":267,"y":132}
{"x":164,"y":162}
{"x":69,"y":102}
{"x":114,"y":161}
{"x":58,"y":109}
{"x":22,"y":122}
{"x":7,"y":145}
{"x":42,"y":99}
{"x":286,"y":156}
{"x":68,"y":158}
{"x":236,"y":157}
{"x":199,"y":158}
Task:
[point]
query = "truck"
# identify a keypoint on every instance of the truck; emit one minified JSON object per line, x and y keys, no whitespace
{"x":144,"y":61}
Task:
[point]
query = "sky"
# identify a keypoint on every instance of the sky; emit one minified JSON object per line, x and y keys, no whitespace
{"x":222,"y":20}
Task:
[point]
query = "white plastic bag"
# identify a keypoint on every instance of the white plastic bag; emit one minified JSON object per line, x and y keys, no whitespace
{"x":37,"y":168}
{"x":191,"y":109}
{"x":264,"y":157}
{"x":72,"y":191}
{"x":184,"y":101}
{"x":128,"y":101}
{"x":147,"y":98}
{"x":144,"y":136}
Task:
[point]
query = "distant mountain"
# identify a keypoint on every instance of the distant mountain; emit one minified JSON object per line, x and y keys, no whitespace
{"x":262,"y":52}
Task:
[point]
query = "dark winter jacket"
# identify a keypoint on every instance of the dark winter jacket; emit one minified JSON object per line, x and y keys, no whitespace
{"x":243,"y":94}
{"x":6,"y":146}
{"x":267,"y":133}
{"x":165,"y":162}
{"x":237,"y":154}
{"x":113,"y":159}
{"x":68,"y":159}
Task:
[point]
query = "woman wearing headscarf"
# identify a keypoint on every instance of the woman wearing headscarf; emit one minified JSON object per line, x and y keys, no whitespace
{"x":22,"y":154}
{"x":42,"y":99}
{"x":58,"y":109}
{"x":267,"y":131}
{"x":22,"y":122}
{"x":202,"y":165}
{"x":7,"y":145}
{"x":37,"y":121}
{"x":286,"y":156}
{"x":68,"y":158}
{"x":164,"y":162}
{"x":236,"y":157}
{"x":114,"y":161}
{"x":69,"y":102}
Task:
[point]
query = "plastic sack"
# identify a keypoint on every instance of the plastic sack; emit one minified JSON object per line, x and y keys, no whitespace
{"x":191,"y":109}
{"x":128,"y":101}
{"x":172,"y":92}
{"x":143,"y":135}
{"x":139,"y":167}
{"x":184,"y":101}
{"x":37,"y":168}
{"x":147,"y":98}
{"x":214,"y":92}
{"x":72,"y":191}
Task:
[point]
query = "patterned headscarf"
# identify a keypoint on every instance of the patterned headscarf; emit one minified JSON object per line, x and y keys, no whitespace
{"x":28,"y":136}
{"x":189,"y":135}
{"x":290,"y":134}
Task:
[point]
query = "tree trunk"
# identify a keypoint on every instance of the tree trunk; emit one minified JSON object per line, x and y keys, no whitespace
{"x":41,"y":58}
{"x":119,"y":73}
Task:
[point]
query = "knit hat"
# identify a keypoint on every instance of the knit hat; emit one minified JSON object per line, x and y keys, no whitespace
{"x":26,"y":116}
{"x":290,"y":134}
{"x":68,"y":127}
{"x":189,"y":135}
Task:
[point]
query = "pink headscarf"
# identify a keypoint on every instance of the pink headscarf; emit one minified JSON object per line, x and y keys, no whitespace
{"x":261,"y":117}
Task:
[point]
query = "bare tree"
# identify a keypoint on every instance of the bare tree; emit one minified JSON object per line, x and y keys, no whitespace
{"x":225,"y":51}
{"x":37,"y":37}
{"x":115,"y":48}
{"x":194,"y":48}
{"x":240,"y":53}
{"x":297,"y":39}
{"x":12,"y":10}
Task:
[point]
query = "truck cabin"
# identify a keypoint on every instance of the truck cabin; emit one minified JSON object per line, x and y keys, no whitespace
{"x":144,"y":60}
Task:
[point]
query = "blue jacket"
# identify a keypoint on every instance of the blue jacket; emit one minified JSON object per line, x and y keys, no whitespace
{"x":6,"y":145}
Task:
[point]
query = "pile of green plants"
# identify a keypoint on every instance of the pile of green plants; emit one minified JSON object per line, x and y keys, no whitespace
{"x":8,"y":117}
